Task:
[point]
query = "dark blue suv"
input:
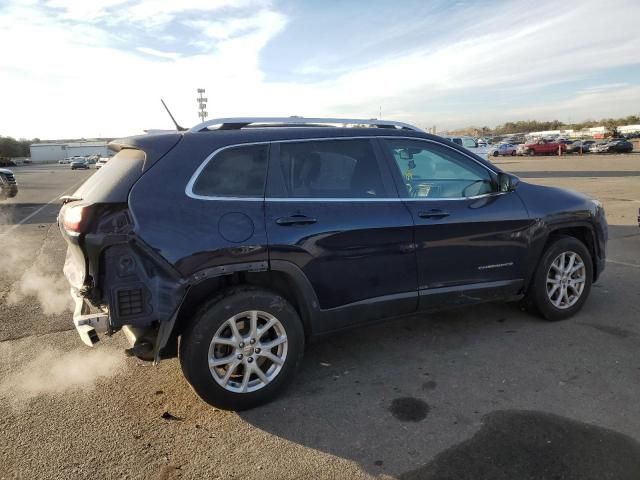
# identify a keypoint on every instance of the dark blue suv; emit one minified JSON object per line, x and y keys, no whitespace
{"x":233,"y":244}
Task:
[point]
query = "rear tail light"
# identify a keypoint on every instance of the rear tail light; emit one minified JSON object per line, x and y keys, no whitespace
{"x":75,"y":218}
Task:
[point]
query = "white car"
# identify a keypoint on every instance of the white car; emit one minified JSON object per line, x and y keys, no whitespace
{"x":101,"y":161}
{"x":470,"y":144}
{"x":65,"y":161}
{"x":504,"y":149}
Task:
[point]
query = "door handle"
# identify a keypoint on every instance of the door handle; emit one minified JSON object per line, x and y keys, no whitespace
{"x":296,"y":220}
{"x":434,"y":213}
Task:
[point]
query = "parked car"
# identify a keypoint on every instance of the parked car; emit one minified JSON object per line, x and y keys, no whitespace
{"x":80,"y":163}
{"x":101,"y":161}
{"x":619,"y":145}
{"x":615,"y":145}
{"x":541,"y":147}
{"x":65,"y":161}
{"x":467,"y":142}
{"x":8,"y":184}
{"x":470,"y":144}
{"x":599,"y":147}
{"x":232,"y":247}
{"x":580,"y":145}
{"x":504,"y":149}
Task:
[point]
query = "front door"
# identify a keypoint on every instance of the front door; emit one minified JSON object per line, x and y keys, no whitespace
{"x":333,"y":212}
{"x":468,"y":235}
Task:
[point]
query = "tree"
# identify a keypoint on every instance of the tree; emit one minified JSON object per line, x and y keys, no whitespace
{"x":11,"y":148}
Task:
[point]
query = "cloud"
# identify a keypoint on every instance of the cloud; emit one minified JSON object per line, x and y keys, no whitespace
{"x":105,"y":78}
{"x":157,"y":53}
{"x":270,"y":21}
{"x":83,"y":10}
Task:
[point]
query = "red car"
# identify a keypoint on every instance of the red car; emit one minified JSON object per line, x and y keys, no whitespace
{"x":541,"y":147}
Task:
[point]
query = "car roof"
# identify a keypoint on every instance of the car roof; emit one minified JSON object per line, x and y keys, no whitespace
{"x":255,"y":134}
{"x":221,"y":138}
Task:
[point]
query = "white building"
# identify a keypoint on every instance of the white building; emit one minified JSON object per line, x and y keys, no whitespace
{"x":52,"y":152}
{"x":628,"y":129}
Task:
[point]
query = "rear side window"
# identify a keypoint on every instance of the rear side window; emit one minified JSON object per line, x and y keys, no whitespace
{"x":330,"y":169}
{"x":234,"y":172}
{"x":112,"y":182}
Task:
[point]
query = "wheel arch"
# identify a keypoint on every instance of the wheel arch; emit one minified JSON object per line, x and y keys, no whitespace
{"x":283,"y":278}
{"x":583,"y":232}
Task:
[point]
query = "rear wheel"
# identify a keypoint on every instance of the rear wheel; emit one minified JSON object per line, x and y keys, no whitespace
{"x":513,"y":153}
{"x":242,"y":348}
{"x":563,"y":279}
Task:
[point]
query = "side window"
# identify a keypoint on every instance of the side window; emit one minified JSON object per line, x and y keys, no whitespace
{"x":433,"y":171}
{"x":469,"y":143}
{"x":234,"y":172}
{"x":330,"y":169}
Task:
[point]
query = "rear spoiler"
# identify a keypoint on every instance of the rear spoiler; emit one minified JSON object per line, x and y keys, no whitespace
{"x":119,"y":143}
{"x":154,"y":145}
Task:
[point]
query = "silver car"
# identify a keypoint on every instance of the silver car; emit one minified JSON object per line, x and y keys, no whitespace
{"x":80,"y":163}
{"x":504,"y":149}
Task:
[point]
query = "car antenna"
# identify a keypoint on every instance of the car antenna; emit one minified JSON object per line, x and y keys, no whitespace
{"x":178,"y":127}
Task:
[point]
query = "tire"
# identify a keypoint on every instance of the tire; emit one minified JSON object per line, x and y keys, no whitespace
{"x":496,"y":153}
{"x":539,"y":298}
{"x":214,"y":319}
{"x":531,"y":152}
{"x":513,"y":153}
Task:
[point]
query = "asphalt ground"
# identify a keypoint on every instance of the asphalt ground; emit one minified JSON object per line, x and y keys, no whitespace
{"x":486,"y":392}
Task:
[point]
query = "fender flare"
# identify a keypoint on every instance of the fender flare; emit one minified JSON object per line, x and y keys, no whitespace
{"x":543,"y":238}
{"x":308,"y":304}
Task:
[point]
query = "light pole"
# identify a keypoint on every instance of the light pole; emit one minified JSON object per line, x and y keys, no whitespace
{"x":202,"y":104}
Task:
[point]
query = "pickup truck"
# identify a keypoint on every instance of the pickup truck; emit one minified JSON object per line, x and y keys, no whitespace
{"x":541,"y":147}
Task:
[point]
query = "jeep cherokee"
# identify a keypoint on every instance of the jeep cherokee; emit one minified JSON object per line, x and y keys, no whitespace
{"x":233,"y":244}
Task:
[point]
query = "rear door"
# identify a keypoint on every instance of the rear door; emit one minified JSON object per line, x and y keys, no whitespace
{"x":332,"y":211}
{"x":468,"y":235}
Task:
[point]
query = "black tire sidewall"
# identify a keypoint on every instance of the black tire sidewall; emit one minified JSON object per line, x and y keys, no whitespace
{"x":195,"y":342}
{"x":542,"y":301}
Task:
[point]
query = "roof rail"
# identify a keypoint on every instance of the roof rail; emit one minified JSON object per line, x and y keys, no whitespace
{"x":241,"y":122}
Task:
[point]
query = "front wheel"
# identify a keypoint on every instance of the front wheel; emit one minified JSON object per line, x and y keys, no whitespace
{"x":242,"y":348}
{"x":562,"y":281}
{"x":531,"y":152}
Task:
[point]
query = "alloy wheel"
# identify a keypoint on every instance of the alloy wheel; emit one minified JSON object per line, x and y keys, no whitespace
{"x":566,"y":279}
{"x":248,"y":351}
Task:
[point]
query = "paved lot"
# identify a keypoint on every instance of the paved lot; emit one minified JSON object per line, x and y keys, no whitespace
{"x":482,"y":392}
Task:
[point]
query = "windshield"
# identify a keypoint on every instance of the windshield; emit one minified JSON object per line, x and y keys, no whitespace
{"x":469,"y":143}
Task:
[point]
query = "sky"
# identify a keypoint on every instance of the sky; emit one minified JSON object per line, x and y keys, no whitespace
{"x":98,"y":68}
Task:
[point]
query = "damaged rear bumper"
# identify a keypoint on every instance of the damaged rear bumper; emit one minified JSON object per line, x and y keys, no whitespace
{"x":88,"y":325}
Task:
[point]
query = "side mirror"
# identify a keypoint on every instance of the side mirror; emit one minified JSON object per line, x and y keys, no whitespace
{"x":507,"y":182}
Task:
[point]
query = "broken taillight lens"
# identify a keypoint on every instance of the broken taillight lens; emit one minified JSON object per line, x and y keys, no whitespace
{"x":74,"y":218}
